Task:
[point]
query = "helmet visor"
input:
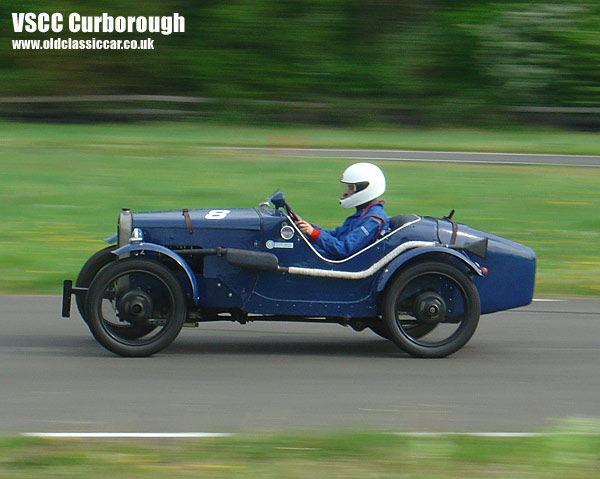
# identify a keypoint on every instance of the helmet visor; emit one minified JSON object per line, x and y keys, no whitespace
{"x":347,"y":189}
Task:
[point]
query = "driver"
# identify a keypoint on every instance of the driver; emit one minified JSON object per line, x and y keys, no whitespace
{"x":364,"y":183}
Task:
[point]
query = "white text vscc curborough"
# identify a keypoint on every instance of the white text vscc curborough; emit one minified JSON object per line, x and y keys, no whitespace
{"x":105,"y":23}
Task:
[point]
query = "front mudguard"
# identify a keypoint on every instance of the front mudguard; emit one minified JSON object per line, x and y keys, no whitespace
{"x":111,"y":239}
{"x":141,"y":246}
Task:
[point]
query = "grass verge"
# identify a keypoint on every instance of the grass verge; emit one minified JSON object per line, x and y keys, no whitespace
{"x":185,"y":134}
{"x":348,"y":455}
{"x":63,"y":187}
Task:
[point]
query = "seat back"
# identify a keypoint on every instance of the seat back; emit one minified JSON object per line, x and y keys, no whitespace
{"x":400,"y":220}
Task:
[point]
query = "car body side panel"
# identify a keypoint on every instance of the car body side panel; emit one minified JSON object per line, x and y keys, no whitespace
{"x":511,"y":277}
{"x":220,"y":285}
{"x":280,"y":293}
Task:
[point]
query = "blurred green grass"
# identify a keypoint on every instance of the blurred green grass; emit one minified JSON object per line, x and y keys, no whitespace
{"x":335,"y":454}
{"x":64,"y":185}
{"x":512,"y":139}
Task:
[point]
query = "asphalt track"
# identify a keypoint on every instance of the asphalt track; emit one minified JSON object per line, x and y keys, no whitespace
{"x":522,"y":371}
{"x":428,"y":156}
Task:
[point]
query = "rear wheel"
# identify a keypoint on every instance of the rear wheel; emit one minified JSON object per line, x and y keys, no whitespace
{"x":380,"y":330}
{"x":135,"y":293}
{"x":435,"y":299}
{"x":416,"y":330}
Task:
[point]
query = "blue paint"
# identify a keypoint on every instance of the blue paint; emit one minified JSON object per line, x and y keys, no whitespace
{"x":218,"y":286}
{"x":111,"y":239}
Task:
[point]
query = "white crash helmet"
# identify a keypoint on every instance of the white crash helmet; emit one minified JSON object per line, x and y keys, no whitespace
{"x":368,"y":181}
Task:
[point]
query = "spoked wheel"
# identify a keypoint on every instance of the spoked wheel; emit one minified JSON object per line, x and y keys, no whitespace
{"x":416,"y":330}
{"x":135,"y":293}
{"x":431,"y":309}
{"x":90,"y":269}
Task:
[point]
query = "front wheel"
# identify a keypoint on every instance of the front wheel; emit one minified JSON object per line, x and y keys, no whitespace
{"x":135,"y":293}
{"x":92,"y":266}
{"x":90,"y":269}
{"x":435,"y":296}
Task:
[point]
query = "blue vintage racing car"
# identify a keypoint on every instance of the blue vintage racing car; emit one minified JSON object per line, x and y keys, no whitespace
{"x":422,"y":285}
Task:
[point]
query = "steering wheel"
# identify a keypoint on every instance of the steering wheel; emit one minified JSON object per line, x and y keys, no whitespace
{"x":290,"y":211}
{"x":278,"y":200}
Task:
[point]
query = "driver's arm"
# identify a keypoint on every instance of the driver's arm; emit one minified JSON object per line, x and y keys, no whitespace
{"x":305,"y":227}
{"x":312,"y":231}
{"x":348,"y":243}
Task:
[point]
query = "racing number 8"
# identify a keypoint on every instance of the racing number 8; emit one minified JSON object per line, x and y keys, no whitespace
{"x":217,"y":214}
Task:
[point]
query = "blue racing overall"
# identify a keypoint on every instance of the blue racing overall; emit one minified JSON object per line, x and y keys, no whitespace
{"x":359,"y":230}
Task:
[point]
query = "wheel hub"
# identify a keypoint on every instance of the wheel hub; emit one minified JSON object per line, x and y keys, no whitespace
{"x":135,"y":307}
{"x":430,"y":308}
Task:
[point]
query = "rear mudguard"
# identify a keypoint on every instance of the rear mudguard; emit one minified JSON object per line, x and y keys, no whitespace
{"x":167,"y":252}
{"x":397,"y":263}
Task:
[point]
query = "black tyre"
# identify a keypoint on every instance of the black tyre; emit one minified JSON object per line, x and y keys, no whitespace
{"x":380,"y":330}
{"x":90,"y":269}
{"x":416,"y":330}
{"x":431,"y":295}
{"x":135,"y":292}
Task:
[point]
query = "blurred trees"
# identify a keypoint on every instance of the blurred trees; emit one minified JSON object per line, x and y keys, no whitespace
{"x":383,"y":60}
{"x":543,"y":53}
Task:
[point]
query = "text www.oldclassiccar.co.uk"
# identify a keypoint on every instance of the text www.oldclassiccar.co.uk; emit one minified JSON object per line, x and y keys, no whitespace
{"x":76,"y":23}
{"x":92,"y":44}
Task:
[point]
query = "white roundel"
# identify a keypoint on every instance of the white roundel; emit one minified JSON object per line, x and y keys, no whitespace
{"x":287,"y":232}
{"x":368,"y":181}
{"x":216,"y":214}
